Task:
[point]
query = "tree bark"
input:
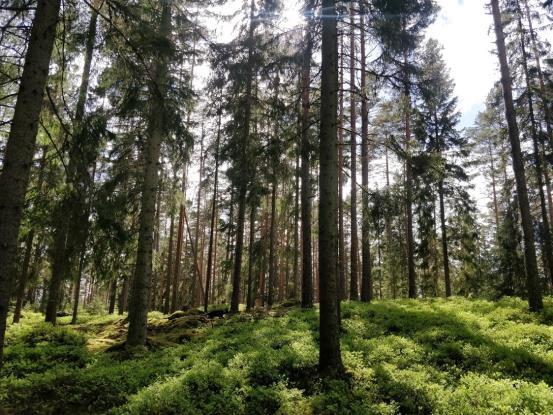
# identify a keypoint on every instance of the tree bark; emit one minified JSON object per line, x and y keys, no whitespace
{"x":71,"y":234}
{"x":307,"y":269}
{"x":178,"y":252}
{"x":213,"y":211}
{"x":341,"y":241}
{"x":534,"y":292}
{"x":445,"y":253}
{"x":18,"y":156}
{"x":545,"y":229}
{"x":411,"y":275}
{"x":138,"y":306}
{"x":366,"y":272}
{"x":354,"y":247}
{"x":330,"y":359}
{"x":243,"y":185}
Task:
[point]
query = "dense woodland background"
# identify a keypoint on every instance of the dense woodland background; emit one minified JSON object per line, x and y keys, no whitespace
{"x":149,"y":165}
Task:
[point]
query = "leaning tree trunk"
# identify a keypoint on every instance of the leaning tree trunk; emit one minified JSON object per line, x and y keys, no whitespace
{"x":307,"y":267}
{"x":330,"y":358}
{"x":534,"y":292}
{"x":354,"y":247}
{"x":20,"y":147}
{"x":138,"y":306}
{"x":366,"y":277}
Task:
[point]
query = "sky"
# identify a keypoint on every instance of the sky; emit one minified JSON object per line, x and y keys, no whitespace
{"x":463,"y":28}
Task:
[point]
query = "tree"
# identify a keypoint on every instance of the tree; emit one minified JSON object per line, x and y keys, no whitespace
{"x":138,"y":307}
{"x":437,"y":117}
{"x":21,"y":145}
{"x":305,"y":150}
{"x":534,"y":291}
{"x":330,"y":359}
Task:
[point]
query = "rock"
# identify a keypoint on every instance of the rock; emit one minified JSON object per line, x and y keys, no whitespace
{"x":217,"y":314}
{"x":62,"y":314}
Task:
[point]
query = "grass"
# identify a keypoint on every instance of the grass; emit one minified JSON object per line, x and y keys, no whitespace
{"x":402,"y":357}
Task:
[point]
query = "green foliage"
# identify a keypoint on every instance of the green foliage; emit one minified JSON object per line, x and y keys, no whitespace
{"x":436,"y":356}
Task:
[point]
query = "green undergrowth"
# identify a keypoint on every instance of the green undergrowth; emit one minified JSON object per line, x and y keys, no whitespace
{"x":402,"y":357}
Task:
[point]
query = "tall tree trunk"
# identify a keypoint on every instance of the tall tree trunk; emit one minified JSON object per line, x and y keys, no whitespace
{"x":123,"y":296}
{"x":178,"y":252}
{"x":24,"y":276}
{"x":330,"y":359}
{"x":307,"y":268}
{"x":534,"y":292}
{"x":388,"y":230}
{"x":354,"y":274}
{"x":112,"y":296}
{"x":138,"y":306}
{"x":272,"y":248}
{"x":295,"y":272}
{"x":366,"y":277}
{"x":213,"y":218}
{"x":197,"y":232}
{"x":411,"y":276}
{"x":444,"y":240}
{"x":167,"y":294}
{"x":545,"y":229}
{"x":494,"y":187}
{"x":541,"y":78}
{"x":245,"y":173}
{"x":18,"y":155}
{"x":71,"y":234}
{"x":341,"y":239}
{"x":249,"y":295}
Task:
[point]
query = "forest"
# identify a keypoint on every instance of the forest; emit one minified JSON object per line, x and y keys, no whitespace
{"x":274,"y":207}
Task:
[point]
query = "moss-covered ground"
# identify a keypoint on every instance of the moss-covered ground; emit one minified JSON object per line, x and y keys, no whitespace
{"x":402,"y":357}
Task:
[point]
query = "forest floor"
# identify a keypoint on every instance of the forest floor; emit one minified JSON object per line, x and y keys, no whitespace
{"x":402,"y":357}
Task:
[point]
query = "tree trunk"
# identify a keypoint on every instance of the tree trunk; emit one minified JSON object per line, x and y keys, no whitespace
{"x":411,"y":276}
{"x":354,"y":285}
{"x":341,"y":241}
{"x":71,"y":234}
{"x":541,"y":78}
{"x":545,"y":229}
{"x":213,"y":218}
{"x":534,"y":292}
{"x":167,"y":294}
{"x":24,"y":276}
{"x":249,"y":295}
{"x":242,"y":186}
{"x":197,"y":232}
{"x":19,"y":151}
{"x":138,"y":307}
{"x":307,"y":269}
{"x":330,"y":359}
{"x":295,"y":272}
{"x":366,"y":277}
{"x":112,"y":296}
{"x":123,"y":296}
{"x":178,"y":252}
{"x":444,"y":240}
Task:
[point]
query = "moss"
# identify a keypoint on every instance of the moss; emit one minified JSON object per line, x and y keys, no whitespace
{"x":436,"y":356}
